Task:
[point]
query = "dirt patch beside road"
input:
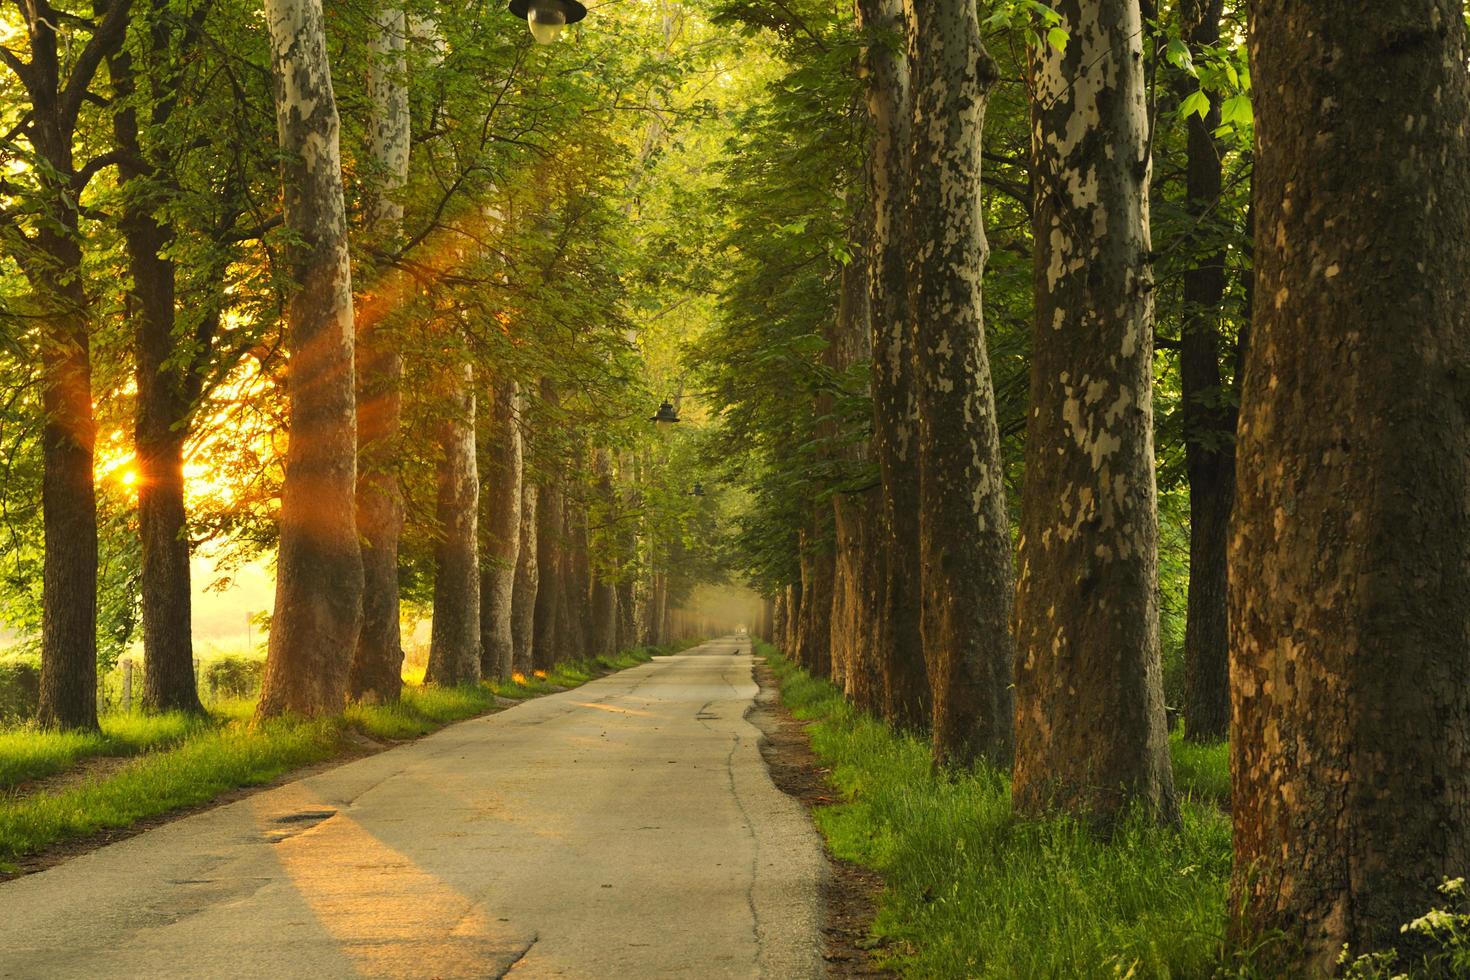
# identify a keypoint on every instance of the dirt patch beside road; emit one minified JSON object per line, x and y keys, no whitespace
{"x":850,"y":892}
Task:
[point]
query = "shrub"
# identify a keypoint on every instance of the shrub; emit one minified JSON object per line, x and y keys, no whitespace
{"x":234,"y":677}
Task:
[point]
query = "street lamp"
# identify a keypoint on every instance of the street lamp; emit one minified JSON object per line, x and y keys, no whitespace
{"x":546,"y":18}
{"x":666,"y":415}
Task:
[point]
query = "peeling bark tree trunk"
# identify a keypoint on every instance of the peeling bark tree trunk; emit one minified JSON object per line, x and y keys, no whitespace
{"x":858,"y":521}
{"x":1350,"y":558}
{"x":378,"y":662}
{"x":319,"y":577}
{"x":964,"y":533}
{"x":895,"y":429}
{"x":502,"y":465}
{"x":1209,"y":418}
{"x":1090,"y":731}
{"x":527,"y":580}
{"x":848,"y":343}
{"x":454,"y":639}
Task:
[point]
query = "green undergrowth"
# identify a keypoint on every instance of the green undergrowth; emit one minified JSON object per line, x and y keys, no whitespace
{"x":185,"y":762}
{"x":27,"y":754}
{"x":1202,"y":772}
{"x":973,"y":891}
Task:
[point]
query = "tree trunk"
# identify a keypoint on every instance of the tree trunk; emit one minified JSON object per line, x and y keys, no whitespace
{"x":51,"y":259}
{"x":319,"y":576}
{"x":68,"y":697}
{"x":1090,"y":730}
{"x":857,"y":517}
{"x":378,"y":662}
{"x":627,"y":611}
{"x":500,"y":527}
{"x":964,"y":532}
{"x":778,"y":620}
{"x":579,"y":573}
{"x":1209,"y":418}
{"x":1350,"y":558}
{"x":791,"y":642}
{"x":454,"y":639}
{"x":816,"y":606}
{"x":527,"y":580}
{"x":161,"y":424}
{"x":895,"y":427}
{"x":550,"y":617}
{"x":603,"y":635}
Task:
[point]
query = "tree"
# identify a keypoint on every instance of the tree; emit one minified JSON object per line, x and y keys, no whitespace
{"x":50,"y":254}
{"x":964,"y":534}
{"x":905,"y":680}
{"x":319,"y":572}
{"x":1209,"y":415}
{"x":501,"y":469}
{"x":454,"y":645}
{"x":527,"y":580}
{"x":377,"y":662}
{"x":1350,"y":556}
{"x":1090,"y":730}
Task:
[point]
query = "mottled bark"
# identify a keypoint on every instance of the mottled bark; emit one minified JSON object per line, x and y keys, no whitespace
{"x":895,"y":426}
{"x":527,"y":580}
{"x":378,"y":660}
{"x":1350,"y":556}
{"x":964,"y":532}
{"x":1209,"y":416}
{"x":454,"y":639}
{"x":1090,"y":730}
{"x":319,"y":577}
{"x":501,"y":469}
{"x":856,"y":585}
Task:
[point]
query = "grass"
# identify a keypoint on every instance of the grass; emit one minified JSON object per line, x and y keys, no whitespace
{"x":186,"y":762}
{"x":1202,"y":772}
{"x":27,"y":754}
{"x":973,"y":891}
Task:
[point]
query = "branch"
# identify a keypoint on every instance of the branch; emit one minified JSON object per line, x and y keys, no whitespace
{"x":22,"y":69}
{"x":97,"y":164}
{"x":107,"y":39}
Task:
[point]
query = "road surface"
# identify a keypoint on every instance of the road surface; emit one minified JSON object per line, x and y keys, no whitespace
{"x":627,"y":828}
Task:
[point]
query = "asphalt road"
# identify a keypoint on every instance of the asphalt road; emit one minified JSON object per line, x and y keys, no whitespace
{"x":627,"y":828}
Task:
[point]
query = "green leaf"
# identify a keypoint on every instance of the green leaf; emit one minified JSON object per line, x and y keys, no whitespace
{"x":1197,"y":102}
{"x":1236,"y":111}
{"x":1057,"y":38}
{"x":1177,"y":54}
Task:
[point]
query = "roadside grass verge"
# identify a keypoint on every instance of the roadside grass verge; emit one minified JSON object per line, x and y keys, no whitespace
{"x":192,"y":761}
{"x":27,"y":753}
{"x":973,"y":891}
